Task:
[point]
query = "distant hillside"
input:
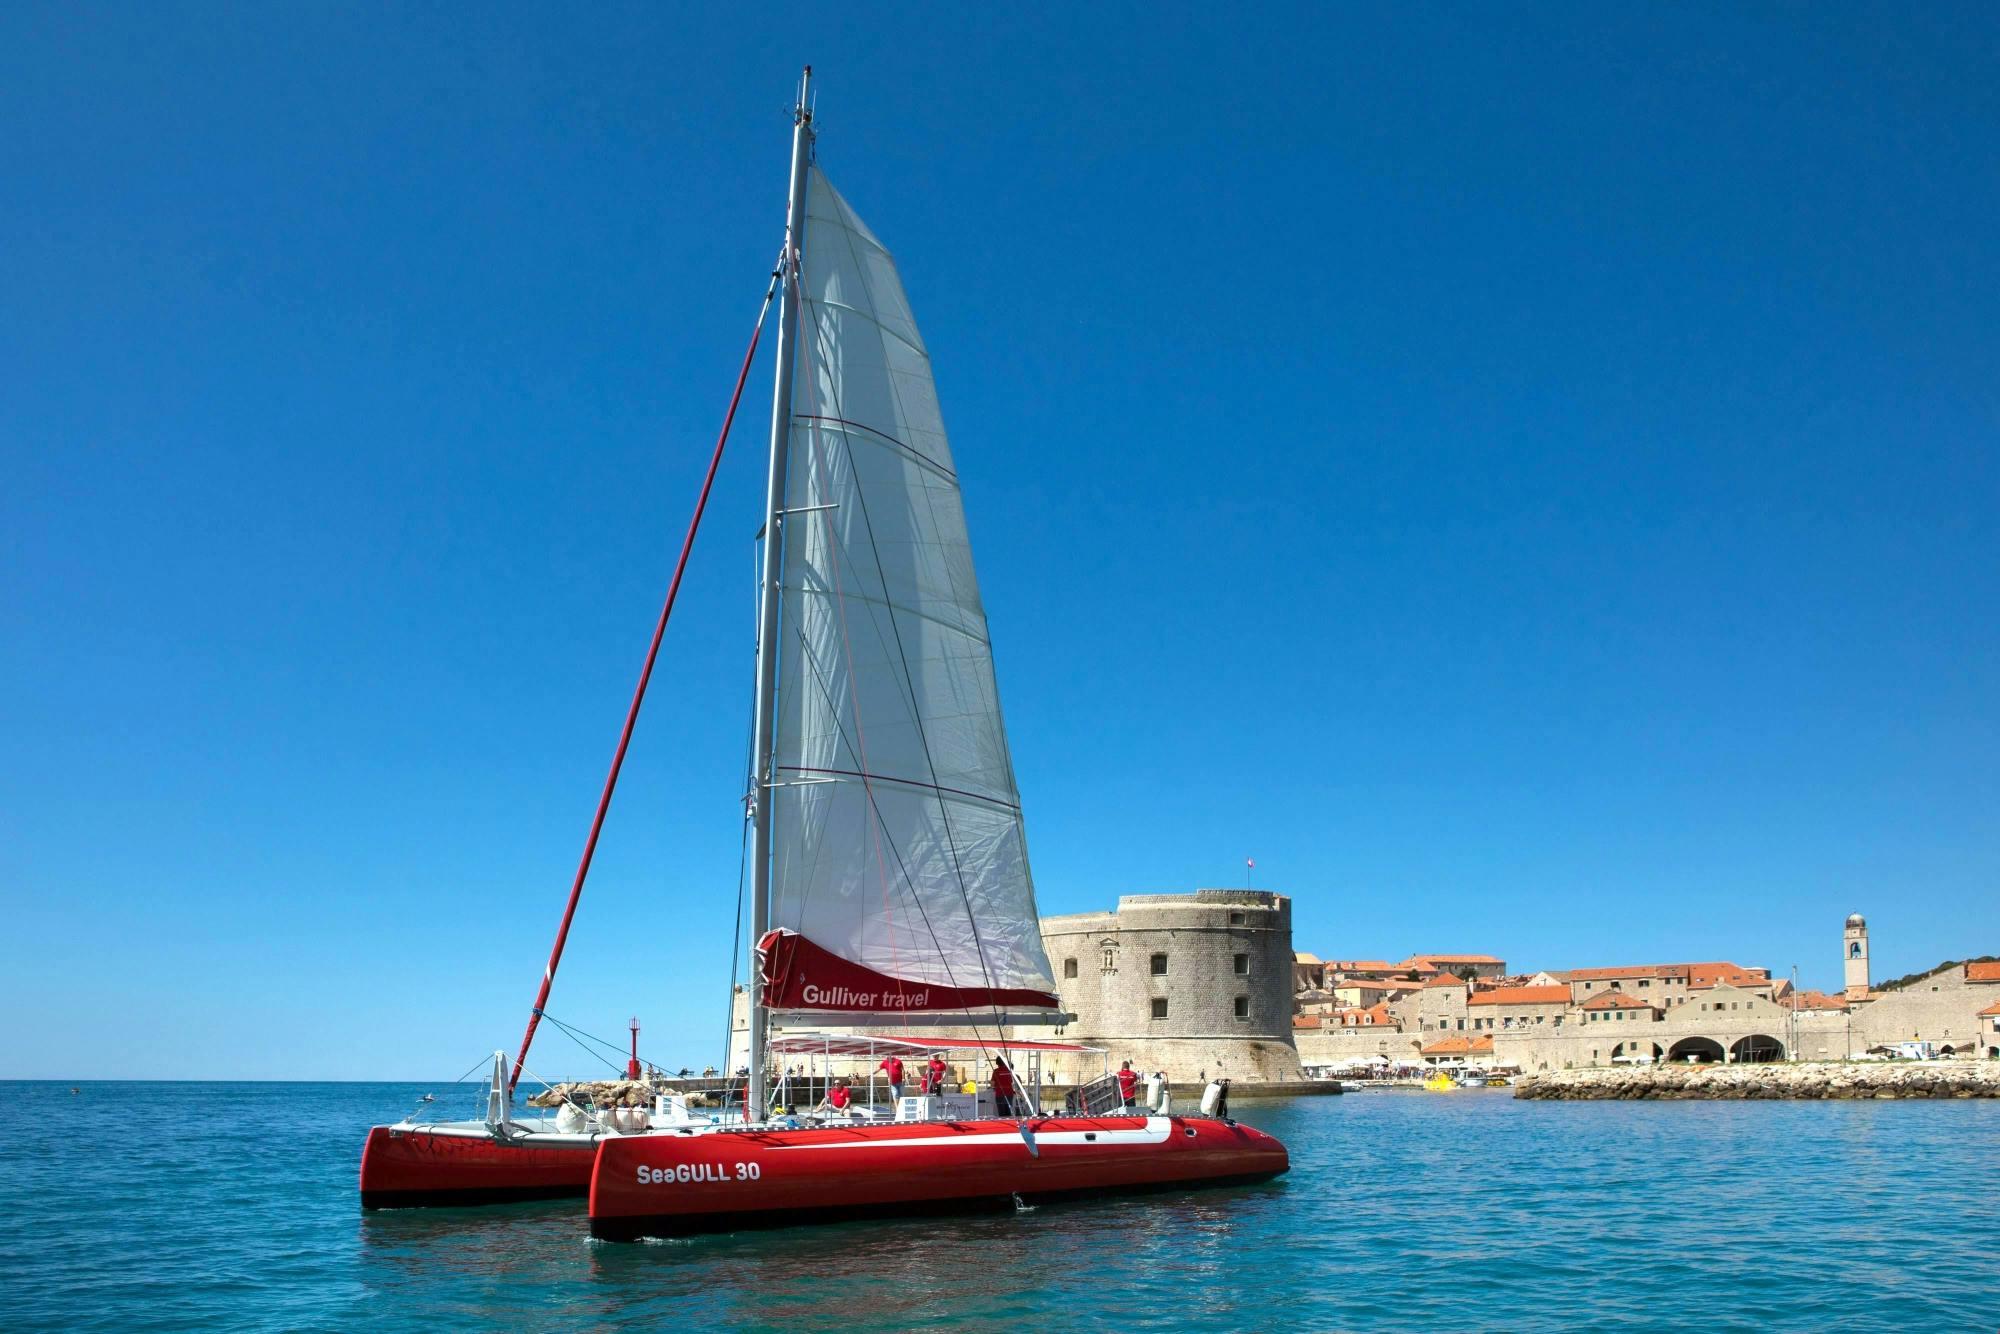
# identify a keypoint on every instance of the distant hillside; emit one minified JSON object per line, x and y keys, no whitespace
{"x":1898,"y":983}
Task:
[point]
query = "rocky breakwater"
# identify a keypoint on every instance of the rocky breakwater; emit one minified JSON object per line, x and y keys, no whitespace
{"x":611,"y":1093}
{"x":1832,"y":1079}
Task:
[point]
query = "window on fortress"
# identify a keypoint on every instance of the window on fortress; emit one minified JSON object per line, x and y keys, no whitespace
{"x":1159,"y":965}
{"x":1159,"y":1007}
{"x":1242,"y":965}
{"x":1236,"y":919}
{"x":1242,"y":1007}
{"x":1069,"y":967}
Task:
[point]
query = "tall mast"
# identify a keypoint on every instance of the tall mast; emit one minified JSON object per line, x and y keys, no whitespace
{"x":762,"y":792}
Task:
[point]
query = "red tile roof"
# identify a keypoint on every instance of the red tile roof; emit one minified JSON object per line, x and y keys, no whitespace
{"x":1521,"y":996}
{"x":1359,"y":1018}
{"x":1815,"y":1000}
{"x":1615,"y":1000}
{"x":1444,"y":980}
{"x":1480,"y":1044}
{"x":1708,"y":974}
{"x":1982,"y":972}
{"x":1632,"y":970}
{"x":1446,"y":1047}
{"x":1994,"y":1008}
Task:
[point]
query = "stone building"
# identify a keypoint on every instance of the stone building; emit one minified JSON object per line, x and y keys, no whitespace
{"x":1508,"y":1008}
{"x":1941,"y":1008}
{"x":1186,"y":983}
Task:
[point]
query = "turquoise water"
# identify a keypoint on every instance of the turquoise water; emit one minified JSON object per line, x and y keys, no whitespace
{"x":232,"y":1206}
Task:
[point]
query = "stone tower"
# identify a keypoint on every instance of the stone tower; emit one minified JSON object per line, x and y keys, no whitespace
{"x":1191,"y":984}
{"x":1854,"y":954}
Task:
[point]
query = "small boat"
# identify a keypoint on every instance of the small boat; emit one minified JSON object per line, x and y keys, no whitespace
{"x":1440,"y":1083}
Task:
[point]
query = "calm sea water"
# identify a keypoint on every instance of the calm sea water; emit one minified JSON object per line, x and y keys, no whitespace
{"x":232,"y":1206}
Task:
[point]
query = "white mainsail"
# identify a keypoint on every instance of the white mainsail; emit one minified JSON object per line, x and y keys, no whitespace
{"x":897,"y":842}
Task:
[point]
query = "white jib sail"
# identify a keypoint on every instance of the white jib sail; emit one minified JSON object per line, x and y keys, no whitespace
{"x":897,"y":835}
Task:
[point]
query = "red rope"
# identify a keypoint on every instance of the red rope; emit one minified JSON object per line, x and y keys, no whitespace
{"x":638,"y":696}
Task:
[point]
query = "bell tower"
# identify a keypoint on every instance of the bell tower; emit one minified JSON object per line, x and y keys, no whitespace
{"x":1854,"y":954}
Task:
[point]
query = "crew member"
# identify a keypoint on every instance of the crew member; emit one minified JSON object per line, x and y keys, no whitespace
{"x":1003,"y":1087}
{"x":839,"y":1096}
{"x":892,"y":1065}
{"x":937,"y":1072}
{"x":1128,"y":1086}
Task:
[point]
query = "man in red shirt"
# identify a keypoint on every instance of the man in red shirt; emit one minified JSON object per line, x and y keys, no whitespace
{"x":1128,"y":1085}
{"x":1003,"y":1087}
{"x":894,"y":1066}
{"x":838,"y":1096}
{"x":935,"y":1073}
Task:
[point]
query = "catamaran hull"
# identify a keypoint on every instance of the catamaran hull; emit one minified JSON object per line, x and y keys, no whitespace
{"x":404,"y":1168}
{"x":649,"y":1187}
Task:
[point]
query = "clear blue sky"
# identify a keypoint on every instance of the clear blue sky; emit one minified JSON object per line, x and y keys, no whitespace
{"x":1528,"y":477}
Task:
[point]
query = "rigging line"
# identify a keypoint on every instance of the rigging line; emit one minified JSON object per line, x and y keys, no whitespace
{"x":817,"y":451}
{"x":639,"y":695}
{"x":917,"y":454}
{"x":743,"y":845}
{"x":578,"y":1033}
{"x":879,"y":825}
{"x":564,"y":1029}
{"x":923,"y":737}
{"x":902,"y":866}
{"x":903,"y":782}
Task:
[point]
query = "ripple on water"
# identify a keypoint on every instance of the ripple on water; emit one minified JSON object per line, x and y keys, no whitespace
{"x":233,"y":1206}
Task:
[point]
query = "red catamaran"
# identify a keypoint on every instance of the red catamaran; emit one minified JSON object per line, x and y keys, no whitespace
{"x":889,"y":860}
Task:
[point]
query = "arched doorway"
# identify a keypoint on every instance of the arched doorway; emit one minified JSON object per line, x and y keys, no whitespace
{"x":1637,"y":1053}
{"x":1756,"y":1050}
{"x":1695,"y":1051}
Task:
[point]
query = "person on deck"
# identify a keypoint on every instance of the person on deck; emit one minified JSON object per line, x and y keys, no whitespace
{"x":1128,"y":1086}
{"x":1003,"y":1088}
{"x":839,"y":1096}
{"x":936,"y":1072}
{"x":893,"y":1066}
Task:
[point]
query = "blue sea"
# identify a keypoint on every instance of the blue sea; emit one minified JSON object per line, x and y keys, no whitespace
{"x":135,"y":1207}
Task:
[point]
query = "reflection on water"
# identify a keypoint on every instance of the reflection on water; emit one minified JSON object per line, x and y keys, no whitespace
{"x":238,"y":1208}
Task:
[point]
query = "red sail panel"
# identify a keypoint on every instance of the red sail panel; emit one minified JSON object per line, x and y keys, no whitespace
{"x":799,"y":975}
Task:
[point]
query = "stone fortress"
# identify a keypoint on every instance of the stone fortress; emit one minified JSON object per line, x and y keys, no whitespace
{"x":1453,"y":1009}
{"x":1192,"y":984}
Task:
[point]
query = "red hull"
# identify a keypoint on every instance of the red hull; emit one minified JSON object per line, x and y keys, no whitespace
{"x":649,"y":1186}
{"x":408,"y":1168}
